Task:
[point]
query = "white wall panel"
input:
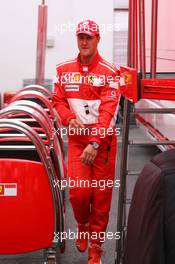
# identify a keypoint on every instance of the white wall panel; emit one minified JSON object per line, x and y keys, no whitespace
{"x":18,"y":20}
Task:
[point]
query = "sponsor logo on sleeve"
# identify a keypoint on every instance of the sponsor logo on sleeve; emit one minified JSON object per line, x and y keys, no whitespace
{"x":8,"y":189}
{"x":1,"y":189}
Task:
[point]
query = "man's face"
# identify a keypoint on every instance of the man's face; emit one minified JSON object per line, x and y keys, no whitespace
{"x":87,"y":45}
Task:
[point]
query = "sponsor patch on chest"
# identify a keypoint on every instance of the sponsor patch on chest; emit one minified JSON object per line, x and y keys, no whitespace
{"x":96,"y":80}
{"x":114,"y":85}
{"x":72,"y":88}
{"x":112,"y":94}
{"x":71,"y":77}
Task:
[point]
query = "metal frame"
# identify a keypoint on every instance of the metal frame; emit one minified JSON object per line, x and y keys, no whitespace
{"x":44,"y":155}
{"x":153,"y":61}
{"x":133,"y":90}
{"x":37,"y":113}
{"x":28,"y":94}
{"x":41,"y":149}
{"x":27,"y":107}
{"x":38,"y":88}
{"x":56,"y":121}
{"x":38,"y":108}
{"x":10,"y":111}
{"x":41,"y":42}
{"x":36,"y":95}
{"x":53,"y":133}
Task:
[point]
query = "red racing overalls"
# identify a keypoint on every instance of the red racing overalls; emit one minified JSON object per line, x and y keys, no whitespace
{"x":90,"y":94}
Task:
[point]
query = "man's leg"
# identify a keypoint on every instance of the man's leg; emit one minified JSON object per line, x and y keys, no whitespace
{"x":103,"y":176}
{"x":79,"y":179}
{"x":80,"y":192}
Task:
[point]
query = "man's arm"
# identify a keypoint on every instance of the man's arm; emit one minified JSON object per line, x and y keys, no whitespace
{"x":108,"y":108}
{"x":59,"y":101}
{"x":110,"y":97}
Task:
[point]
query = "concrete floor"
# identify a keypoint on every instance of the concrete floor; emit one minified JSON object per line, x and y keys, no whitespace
{"x":138,"y":157}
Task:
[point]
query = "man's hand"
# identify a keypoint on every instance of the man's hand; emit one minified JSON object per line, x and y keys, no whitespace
{"x":74,"y":123}
{"x":89,"y":154}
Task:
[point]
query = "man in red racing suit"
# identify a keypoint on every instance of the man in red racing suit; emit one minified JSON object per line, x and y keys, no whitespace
{"x":86,"y":97}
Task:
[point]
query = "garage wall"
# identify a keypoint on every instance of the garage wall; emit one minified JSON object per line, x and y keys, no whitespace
{"x":18,"y":33}
{"x":166,"y":39}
